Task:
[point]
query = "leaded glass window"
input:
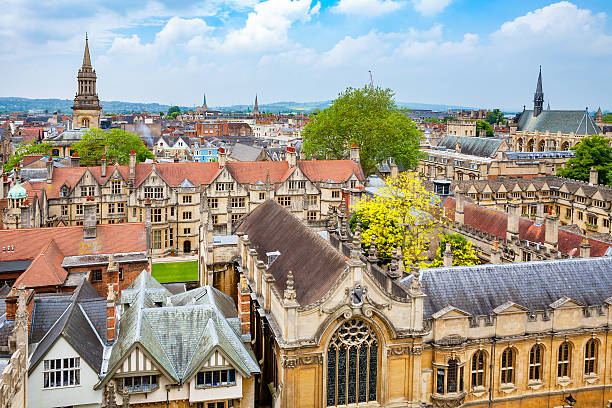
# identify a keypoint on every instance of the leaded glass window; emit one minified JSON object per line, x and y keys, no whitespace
{"x":478,"y":369}
{"x":535,"y":363}
{"x":451,"y":379}
{"x":507,"y":366}
{"x":590,"y":357}
{"x":352,"y":364}
{"x":563,"y":361}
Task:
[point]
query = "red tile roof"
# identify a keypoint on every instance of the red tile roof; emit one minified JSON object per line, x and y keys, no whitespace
{"x":335,"y":170}
{"x":496,"y":223}
{"x":45,"y":270}
{"x":27,"y":243}
{"x":252,"y":172}
{"x":30,"y":158}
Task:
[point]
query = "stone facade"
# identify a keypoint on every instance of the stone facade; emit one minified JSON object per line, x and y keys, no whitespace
{"x":86,"y":111}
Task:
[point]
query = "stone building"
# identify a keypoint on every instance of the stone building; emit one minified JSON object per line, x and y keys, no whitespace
{"x":541,"y":130}
{"x":493,"y":335}
{"x":173,"y":196}
{"x":86,"y":111}
{"x":461,"y":127}
{"x":478,"y":158}
{"x":586,"y":206}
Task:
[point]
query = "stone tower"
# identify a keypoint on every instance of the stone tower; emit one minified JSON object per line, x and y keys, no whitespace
{"x":538,"y":97}
{"x":256,"y":107}
{"x":86,"y":110}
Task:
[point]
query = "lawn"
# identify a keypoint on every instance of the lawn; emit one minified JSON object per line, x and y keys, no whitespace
{"x":176,"y":271}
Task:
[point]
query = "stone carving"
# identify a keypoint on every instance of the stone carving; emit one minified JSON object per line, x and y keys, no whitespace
{"x":294,"y":361}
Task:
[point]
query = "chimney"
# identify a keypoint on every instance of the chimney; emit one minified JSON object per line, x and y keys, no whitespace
{"x":244,"y":305}
{"x":222,"y":157}
{"x":132,"y":164}
{"x":89,"y":218}
{"x":103,"y":167}
{"x":551,"y":237}
{"x":594,"y":176}
{"x":539,"y":220}
{"x":176,"y":159}
{"x":496,"y":253}
{"x":459,"y":207}
{"x":585,"y":249}
{"x":354,"y":153}
{"x":394,"y":169}
{"x":512,"y":231}
{"x":74,"y":160}
{"x":291,"y":156}
{"x":110,"y":315}
{"x":50,"y":170}
{"x":448,"y":255}
{"x":148,"y":227}
{"x":17,"y":172}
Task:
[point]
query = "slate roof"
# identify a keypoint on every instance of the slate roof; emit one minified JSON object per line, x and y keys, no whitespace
{"x":564,"y":121}
{"x":270,"y":227}
{"x":479,"y":289}
{"x":244,"y":153}
{"x":473,"y":146}
{"x":181,"y":337}
{"x":82,"y":324}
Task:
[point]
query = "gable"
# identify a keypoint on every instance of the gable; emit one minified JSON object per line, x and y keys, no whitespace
{"x":138,"y":360}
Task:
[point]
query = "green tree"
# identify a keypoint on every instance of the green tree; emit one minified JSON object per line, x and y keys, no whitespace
{"x":432,"y":119}
{"x":592,"y":151}
{"x":463,"y":251}
{"x":368,"y":118}
{"x":480,"y":125}
{"x":607,"y":118}
{"x":494,"y":117}
{"x":447,"y":118}
{"x":25,"y":149}
{"x":174,"y":110}
{"x":116,"y":144}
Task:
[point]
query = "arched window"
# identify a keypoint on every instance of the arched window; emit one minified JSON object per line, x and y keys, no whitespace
{"x":519,"y":145}
{"x":352,"y":364}
{"x":85,"y":123}
{"x":563,"y":360}
{"x":535,"y":363}
{"x":478,"y":369}
{"x":530,"y":144}
{"x":590,"y":357}
{"x":507,"y":366}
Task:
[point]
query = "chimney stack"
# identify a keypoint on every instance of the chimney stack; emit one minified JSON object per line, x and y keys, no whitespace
{"x":132,"y":165}
{"x":512,"y":231}
{"x":448,"y":255}
{"x":354,"y":153}
{"x":148,"y":225}
{"x":585,"y":248}
{"x":394,"y":169}
{"x":50,"y":170}
{"x":459,"y":207}
{"x":244,"y":305}
{"x":74,"y":160}
{"x":594,"y":176}
{"x":291,"y":157}
{"x":539,"y":220}
{"x":222,"y":157}
{"x":111,"y":323}
{"x":89,"y":218}
{"x":103,"y":166}
{"x":496,"y":253}
{"x":551,"y":237}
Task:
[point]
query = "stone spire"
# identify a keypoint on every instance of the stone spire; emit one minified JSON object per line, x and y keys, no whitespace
{"x":290,"y":291}
{"x":538,"y":97}
{"x":599,"y":116}
{"x":86,"y":110}
{"x":256,"y":107}
{"x":86,"y":57}
{"x":204,"y":106}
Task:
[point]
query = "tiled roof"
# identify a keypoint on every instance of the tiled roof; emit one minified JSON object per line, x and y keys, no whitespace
{"x":244,"y":153}
{"x":337,"y":171}
{"x":271,"y":228}
{"x":252,"y":172}
{"x":534,"y":285}
{"x":564,"y":121}
{"x":110,"y":239}
{"x":473,"y":146}
{"x":495,"y":222}
{"x":45,"y":270}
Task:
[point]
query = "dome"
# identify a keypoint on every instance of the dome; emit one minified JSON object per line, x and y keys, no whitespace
{"x":17,"y":191}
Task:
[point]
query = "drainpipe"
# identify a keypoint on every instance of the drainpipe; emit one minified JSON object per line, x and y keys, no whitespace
{"x":491,"y":366}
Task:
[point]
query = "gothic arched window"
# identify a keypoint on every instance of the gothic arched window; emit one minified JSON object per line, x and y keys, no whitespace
{"x":507,"y":366}
{"x":478,"y":369}
{"x":563,"y":360}
{"x":352,"y":364}
{"x":535,"y":363}
{"x":590,"y":357}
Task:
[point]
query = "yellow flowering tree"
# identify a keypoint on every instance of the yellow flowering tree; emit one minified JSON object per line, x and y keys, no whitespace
{"x":403,"y":215}
{"x":463,"y":251}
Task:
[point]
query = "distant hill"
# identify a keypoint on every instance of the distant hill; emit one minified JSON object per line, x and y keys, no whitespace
{"x":15,"y":104}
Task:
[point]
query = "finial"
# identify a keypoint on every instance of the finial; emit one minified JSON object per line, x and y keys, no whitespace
{"x":85,"y":35}
{"x":290,"y":291}
{"x":372,"y":256}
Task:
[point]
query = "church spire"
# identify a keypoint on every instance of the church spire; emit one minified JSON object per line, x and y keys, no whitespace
{"x":538,"y":97}
{"x":86,"y":58}
{"x":256,"y":107}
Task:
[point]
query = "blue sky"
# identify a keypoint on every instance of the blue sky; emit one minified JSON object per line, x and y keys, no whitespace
{"x":482,"y":53}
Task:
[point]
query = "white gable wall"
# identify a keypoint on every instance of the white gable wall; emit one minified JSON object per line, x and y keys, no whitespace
{"x":81,"y":396}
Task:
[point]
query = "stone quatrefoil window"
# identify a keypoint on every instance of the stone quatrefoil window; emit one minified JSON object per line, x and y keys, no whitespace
{"x":352,"y":364}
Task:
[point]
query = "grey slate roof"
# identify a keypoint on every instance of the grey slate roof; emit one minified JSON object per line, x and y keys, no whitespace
{"x":564,"y":121}
{"x":181,"y":336}
{"x":82,"y":324}
{"x":244,"y":152}
{"x":534,"y":285}
{"x":474,"y":146}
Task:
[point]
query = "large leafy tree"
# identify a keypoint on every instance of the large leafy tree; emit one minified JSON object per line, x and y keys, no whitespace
{"x":607,"y":118}
{"x":403,"y":215}
{"x":463,"y":251}
{"x":592,"y":151}
{"x":115,"y":144}
{"x":25,"y":149}
{"x":480,"y":125}
{"x":368,"y":118}
{"x":495,"y":116}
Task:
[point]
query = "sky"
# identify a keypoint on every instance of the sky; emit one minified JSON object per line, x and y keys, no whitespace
{"x":479,"y":53}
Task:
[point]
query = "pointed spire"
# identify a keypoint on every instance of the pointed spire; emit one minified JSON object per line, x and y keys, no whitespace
{"x":548,"y":106}
{"x":538,"y":97}
{"x":256,"y":107}
{"x":539,"y":86}
{"x":86,"y":57}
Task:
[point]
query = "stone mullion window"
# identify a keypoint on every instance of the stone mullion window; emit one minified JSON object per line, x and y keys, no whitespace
{"x":535,"y":363}
{"x":563,"y":360}
{"x":590,"y":357}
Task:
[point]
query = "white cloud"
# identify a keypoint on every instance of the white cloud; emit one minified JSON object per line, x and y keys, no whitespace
{"x":430,"y":7}
{"x":364,"y":50}
{"x":268,"y":25}
{"x":371,"y":8}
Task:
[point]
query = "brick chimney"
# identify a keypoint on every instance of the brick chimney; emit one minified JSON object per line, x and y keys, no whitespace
{"x":222,"y":157}
{"x":459,"y":207}
{"x":354,"y":153}
{"x":74,"y":160}
{"x":551,"y":238}
{"x":111,"y":323}
{"x":244,"y":305}
{"x":103,"y":166}
{"x":148,"y":225}
{"x":50,"y":170}
{"x":89,"y":218}
{"x":132,"y":165}
{"x":594,"y":176}
{"x":496,"y":253}
{"x":512,"y":231}
{"x":291,"y":156}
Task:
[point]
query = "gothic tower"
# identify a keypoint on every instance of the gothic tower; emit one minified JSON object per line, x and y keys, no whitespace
{"x":256,"y":107}
{"x":86,"y":110}
{"x":538,"y":97}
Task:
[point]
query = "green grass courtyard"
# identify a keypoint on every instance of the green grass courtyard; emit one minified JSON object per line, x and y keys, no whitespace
{"x":175,"y":271}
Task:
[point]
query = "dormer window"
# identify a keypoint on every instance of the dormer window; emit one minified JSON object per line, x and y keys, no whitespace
{"x":141,"y":383}
{"x":216,"y":378}
{"x":64,"y":191}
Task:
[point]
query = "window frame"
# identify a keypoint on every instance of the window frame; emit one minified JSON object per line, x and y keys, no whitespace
{"x":62,"y":372}
{"x":536,"y":363}
{"x":507,"y":361}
